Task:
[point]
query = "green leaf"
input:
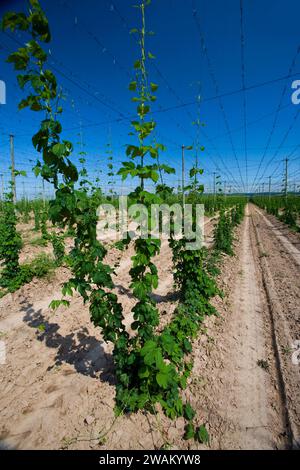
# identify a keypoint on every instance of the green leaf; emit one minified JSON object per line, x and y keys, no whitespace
{"x":132,"y":86}
{"x":154,"y":87}
{"x":189,"y":432}
{"x":57,"y":303}
{"x":143,"y":372}
{"x":149,"y":346}
{"x":20,"y":173}
{"x":142,"y":111}
{"x":154,"y":176}
{"x":137,"y":65}
{"x":13,"y":20}
{"x":151,"y":56}
{"x":162,"y":379}
{"x":20,"y":59}
{"x":37,"y":170}
{"x":167,"y":169}
{"x":68,"y":289}
{"x":58,"y":150}
{"x":22,"y":80}
{"x":189,"y":413}
{"x":202,"y":434}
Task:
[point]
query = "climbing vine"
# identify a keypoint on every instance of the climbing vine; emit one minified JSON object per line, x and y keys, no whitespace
{"x":148,"y":376}
{"x":72,"y":208}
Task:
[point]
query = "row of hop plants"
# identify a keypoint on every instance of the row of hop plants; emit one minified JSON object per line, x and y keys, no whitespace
{"x":286,"y":209}
{"x":151,"y":367}
{"x":224,"y":230}
{"x":29,"y":210}
{"x":13,"y":274}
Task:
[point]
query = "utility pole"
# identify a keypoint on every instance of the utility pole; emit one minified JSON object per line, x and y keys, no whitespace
{"x":182,"y":176}
{"x":225,"y":189}
{"x":263,"y":188}
{"x":270,"y":187}
{"x":286,"y":177}
{"x":13,"y":176}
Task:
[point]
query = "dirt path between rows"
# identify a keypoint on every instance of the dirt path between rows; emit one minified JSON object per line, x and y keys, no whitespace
{"x":247,"y":404}
{"x":238,"y":376}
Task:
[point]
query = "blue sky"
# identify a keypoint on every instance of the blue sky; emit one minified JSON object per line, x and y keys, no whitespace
{"x":92,"y":55}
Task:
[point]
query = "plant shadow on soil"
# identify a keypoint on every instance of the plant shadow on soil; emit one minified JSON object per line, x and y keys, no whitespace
{"x":158,"y":298}
{"x":79,"y":349}
{"x":170,"y":297}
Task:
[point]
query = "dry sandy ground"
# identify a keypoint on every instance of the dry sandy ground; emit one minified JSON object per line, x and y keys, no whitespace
{"x":30,"y":251}
{"x":280,"y":256}
{"x":250,"y":403}
{"x":57,"y":386}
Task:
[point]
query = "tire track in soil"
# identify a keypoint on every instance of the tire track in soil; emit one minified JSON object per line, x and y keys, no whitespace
{"x":280,"y":271}
{"x":290,"y":248}
{"x":240,"y":401}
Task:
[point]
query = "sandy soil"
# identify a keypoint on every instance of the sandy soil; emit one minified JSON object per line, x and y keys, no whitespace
{"x":57,"y":386}
{"x":280,"y":255}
